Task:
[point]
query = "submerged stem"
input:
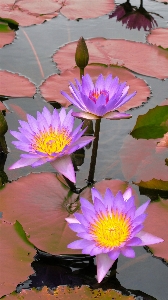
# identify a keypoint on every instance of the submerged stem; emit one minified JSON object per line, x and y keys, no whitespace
{"x":94,"y":152}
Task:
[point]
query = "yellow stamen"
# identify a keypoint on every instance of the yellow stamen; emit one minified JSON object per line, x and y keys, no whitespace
{"x":110,"y":230}
{"x":51,"y":141}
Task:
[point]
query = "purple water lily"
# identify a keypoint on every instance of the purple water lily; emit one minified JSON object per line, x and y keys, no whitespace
{"x":99,"y":100}
{"x":110,"y":227}
{"x":50,"y":139}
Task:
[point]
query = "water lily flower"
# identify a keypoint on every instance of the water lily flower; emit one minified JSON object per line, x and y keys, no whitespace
{"x":110,"y":227}
{"x":50,"y":139}
{"x":99,"y":100}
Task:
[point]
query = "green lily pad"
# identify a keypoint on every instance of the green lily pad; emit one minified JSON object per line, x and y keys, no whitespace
{"x":154,"y":184}
{"x":152,"y":125}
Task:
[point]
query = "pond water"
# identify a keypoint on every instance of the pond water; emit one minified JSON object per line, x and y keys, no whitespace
{"x":145,"y":276}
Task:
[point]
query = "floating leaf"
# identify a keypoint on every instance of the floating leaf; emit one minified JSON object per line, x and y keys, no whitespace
{"x":64,"y":292}
{"x":140,"y":160}
{"x":22,"y":12}
{"x":154,"y":184}
{"x":14,"y":85}
{"x":163,"y":1}
{"x":30,"y":12}
{"x":152,"y":125}
{"x":73,"y":9}
{"x":7,"y":35}
{"x":133,"y":55}
{"x":52,"y":86}
{"x":157,"y":223}
{"x":16,"y":253}
{"x":159,"y":37}
{"x":42,"y":208}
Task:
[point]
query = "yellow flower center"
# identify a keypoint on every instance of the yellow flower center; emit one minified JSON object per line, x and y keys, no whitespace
{"x":51,"y":141}
{"x":111,"y":230}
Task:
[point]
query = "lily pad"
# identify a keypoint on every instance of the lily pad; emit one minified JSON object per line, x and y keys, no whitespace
{"x":152,"y":125}
{"x":154,"y":184}
{"x":14,"y":85}
{"x":64,"y":292}
{"x":158,"y":214}
{"x":132,"y":55}
{"x":159,"y":37}
{"x":7,"y":35}
{"x":16,"y":253}
{"x":42,"y":209}
{"x":30,"y":12}
{"x":51,"y":87}
{"x":74,"y":9}
{"x":140,"y":160}
{"x":14,"y":10}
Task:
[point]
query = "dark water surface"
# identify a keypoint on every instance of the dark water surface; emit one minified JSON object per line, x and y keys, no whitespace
{"x":144,"y":273}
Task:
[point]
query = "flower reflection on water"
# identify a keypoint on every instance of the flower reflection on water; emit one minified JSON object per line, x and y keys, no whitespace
{"x":134,"y":17}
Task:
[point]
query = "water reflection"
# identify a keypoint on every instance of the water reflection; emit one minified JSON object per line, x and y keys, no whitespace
{"x":135,"y":17}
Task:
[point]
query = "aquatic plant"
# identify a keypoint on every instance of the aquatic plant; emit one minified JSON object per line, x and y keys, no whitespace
{"x":49,"y":139}
{"x":110,"y":227}
{"x":99,"y":100}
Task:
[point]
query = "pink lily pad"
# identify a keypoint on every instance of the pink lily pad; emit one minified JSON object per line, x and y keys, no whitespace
{"x":140,"y":160}
{"x":31,"y":12}
{"x":64,"y":292}
{"x":163,"y":1}
{"x":12,"y":9}
{"x":159,"y":37}
{"x":51,"y":87}
{"x":158,"y":214}
{"x":42,"y":208}
{"x":45,"y":206}
{"x":133,"y":55}
{"x":6,"y":38}
{"x":14,"y":85}
{"x":73,"y":9}
{"x":2,"y":106}
{"x":15,"y":254}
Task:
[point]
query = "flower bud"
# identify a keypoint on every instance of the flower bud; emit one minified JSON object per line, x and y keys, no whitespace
{"x":82,"y":54}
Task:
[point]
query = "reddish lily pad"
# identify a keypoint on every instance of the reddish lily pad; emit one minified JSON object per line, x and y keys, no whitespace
{"x":13,"y":9}
{"x":45,"y":205}
{"x":2,"y":106}
{"x":31,"y":12}
{"x":163,"y":1}
{"x":51,"y":87}
{"x":7,"y":35}
{"x":42,"y":208}
{"x":159,"y":37}
{"x":133,"y":55}
{"x":140,"y":160}
{"x":158,"y":214}
{"x":16,"y":253}
{"x":14,"y":85}
{"x":64,"y":292}
{"x":73,"y":9}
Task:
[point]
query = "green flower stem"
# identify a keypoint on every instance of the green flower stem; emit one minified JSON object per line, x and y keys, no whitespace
{"x":3,"y":145}
{"x":81,"y":73}
{"x":94,"y":152}
{"x":70,"y":184}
